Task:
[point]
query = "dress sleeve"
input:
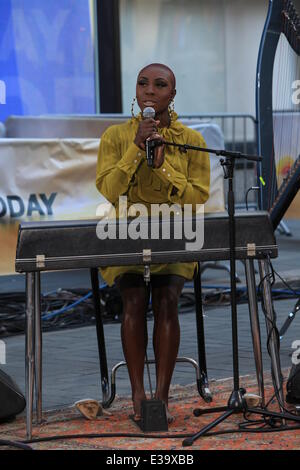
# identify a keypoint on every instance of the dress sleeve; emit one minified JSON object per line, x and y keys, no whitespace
{"x":192,"y":188}
{"x":114,"y":170}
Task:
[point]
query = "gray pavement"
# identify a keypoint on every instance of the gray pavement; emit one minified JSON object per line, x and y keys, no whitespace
{"x":70,"y":357}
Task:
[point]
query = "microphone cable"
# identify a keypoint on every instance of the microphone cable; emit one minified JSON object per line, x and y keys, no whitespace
{"x":242,"y":428}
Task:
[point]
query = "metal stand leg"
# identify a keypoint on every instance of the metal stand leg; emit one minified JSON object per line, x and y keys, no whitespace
{"x":284,"y":229}
{"x":270,"y":321}
{"x":202,"y":384}
{"x":100,"y":338}
{"x":29,"y":353}
{"x":190,"y":440}
{"x":38,"y":347}
{"x":255,"y":328}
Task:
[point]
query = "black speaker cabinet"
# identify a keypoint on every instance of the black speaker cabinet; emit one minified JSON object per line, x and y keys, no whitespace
{"x":12,"y":402}
{"x":293,"y":385}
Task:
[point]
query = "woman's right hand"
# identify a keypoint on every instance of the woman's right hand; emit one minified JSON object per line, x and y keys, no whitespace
{"x":146,"y":128}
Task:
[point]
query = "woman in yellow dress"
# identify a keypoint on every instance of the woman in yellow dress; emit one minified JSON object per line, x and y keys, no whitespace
{"x":175,"y":178}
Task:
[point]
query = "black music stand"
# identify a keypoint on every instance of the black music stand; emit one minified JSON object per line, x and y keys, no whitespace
{"x":289,"y":319}
{"x":236,"y":402}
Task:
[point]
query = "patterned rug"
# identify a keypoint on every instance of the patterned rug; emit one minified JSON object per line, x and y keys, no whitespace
{"x":183,"y":400}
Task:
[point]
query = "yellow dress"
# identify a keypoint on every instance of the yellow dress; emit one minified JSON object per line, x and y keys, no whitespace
{"x":122,"y":170}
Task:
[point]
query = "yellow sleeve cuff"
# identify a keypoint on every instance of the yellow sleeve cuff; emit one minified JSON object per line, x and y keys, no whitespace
{"x":131,"y":160}
{"x":170,"y":176}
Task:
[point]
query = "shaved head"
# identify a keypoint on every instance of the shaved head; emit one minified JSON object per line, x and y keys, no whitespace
{"x":164,"y":67}
{"x":155,"y":88}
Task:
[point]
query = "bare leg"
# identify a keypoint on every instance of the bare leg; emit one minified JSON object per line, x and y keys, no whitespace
{"x":134,"y":334}
{"x":166,"y":334}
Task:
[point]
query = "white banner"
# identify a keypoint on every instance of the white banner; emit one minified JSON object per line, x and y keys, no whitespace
{"x":44,"y":179}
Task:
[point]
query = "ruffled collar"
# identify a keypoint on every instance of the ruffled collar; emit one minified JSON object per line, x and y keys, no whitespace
{"x":176,"y":127}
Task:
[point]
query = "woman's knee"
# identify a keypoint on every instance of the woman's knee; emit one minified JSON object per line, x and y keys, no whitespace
{"x":165,"y":301}
{"x":134,"y":302}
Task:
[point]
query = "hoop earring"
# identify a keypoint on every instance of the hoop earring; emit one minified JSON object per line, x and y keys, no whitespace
{"x":132,"y":107}
{"x":171,"y":110}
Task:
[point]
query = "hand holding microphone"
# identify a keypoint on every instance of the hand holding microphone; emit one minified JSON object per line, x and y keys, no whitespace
{"x":147,"y":138}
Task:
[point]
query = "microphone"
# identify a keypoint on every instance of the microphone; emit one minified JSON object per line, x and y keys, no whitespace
{"x":149,"y":113}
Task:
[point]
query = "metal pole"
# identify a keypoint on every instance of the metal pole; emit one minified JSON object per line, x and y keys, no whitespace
{"x":38,"y":347}
{"x":100,"y":335}
{"x":202,"y":383}
{"x":270,"y":321}
{"x":255,"y":328}
{"x":234,"y":321}
{"x":29,"y":351}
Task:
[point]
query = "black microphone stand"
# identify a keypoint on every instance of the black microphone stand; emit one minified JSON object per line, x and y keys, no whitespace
{"x":236,"y":402}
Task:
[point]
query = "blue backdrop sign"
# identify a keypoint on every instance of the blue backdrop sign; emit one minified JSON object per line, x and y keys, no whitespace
{"x":46,"y":57}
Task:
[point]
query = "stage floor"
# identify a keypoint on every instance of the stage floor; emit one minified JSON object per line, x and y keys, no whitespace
{"x":70,"y":357}
{"x":123,"y":434}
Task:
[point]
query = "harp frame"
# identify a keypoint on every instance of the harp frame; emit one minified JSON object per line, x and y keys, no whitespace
{"x":280,"y":13}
